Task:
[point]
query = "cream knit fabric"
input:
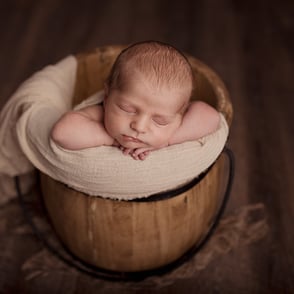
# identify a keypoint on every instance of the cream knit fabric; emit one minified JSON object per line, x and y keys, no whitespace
{"x":25,"y":124}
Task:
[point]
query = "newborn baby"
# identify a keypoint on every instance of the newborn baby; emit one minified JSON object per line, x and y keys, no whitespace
{"x":146,"y":106}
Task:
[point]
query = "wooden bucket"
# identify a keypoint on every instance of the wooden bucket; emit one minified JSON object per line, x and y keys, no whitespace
{"x":132,"y":236}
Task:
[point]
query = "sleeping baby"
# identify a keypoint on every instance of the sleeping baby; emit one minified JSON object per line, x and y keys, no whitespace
{"x":146,"y":106}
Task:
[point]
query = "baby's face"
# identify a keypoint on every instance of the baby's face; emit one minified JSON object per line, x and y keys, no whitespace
{"x":141,"y":116}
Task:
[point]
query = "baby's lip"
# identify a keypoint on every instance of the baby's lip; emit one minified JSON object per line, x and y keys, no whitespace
{"x":131,"y":139}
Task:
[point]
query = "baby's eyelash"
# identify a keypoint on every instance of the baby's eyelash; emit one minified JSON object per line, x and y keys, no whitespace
{"x":127,"y":109}
{"x":161,"y":123}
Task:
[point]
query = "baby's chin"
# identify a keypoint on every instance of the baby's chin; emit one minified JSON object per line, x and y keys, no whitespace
{"x":133,"y":145}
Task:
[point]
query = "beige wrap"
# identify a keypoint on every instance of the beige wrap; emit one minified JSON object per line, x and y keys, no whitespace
{"x":25,"y":124}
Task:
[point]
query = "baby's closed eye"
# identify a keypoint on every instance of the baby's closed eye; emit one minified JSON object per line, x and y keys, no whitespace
{"x":127,"y":108}
{"x":162,"y":121}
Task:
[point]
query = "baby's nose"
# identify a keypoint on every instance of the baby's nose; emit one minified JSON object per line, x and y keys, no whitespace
{"x":140,"y":124}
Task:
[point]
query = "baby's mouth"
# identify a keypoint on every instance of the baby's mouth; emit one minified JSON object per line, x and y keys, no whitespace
{"x":131,"y":139}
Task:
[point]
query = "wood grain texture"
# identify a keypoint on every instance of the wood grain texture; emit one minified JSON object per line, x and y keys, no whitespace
{"x":250,"y":45}
{"x":134,"y":236}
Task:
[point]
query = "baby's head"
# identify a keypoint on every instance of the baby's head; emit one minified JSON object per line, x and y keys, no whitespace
{"x":147,"y":92}
{"x":160,"y":64}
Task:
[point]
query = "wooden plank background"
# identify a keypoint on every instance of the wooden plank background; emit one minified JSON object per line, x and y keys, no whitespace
{"x":250,"y":44}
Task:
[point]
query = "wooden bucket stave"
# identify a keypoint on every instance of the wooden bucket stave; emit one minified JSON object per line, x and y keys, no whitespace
{"x":128,"y":235}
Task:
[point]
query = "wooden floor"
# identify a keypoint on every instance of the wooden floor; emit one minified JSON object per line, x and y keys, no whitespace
{"x":251,"y":46}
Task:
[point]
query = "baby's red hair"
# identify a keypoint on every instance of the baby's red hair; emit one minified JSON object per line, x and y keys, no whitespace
{"x":161,"y":64}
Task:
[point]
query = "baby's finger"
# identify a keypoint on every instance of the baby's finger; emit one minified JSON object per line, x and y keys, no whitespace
{"x":135,"y":156}
{"x":143,"y":155}
{"x":139,"y":151}
{"x":127,"y":151}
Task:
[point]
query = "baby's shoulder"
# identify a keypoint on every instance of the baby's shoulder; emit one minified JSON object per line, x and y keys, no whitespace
{"x":204,"y":116}
{"x":203,"y":109}
{"x":95,"y":112}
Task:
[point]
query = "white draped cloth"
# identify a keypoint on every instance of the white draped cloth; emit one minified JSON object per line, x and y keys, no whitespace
{"x":25,"y":124}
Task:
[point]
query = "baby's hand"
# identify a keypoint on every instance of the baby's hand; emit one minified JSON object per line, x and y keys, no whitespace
{"x":125,"y":151}
{"x":137,"y":154}
{"x":141,"y":153}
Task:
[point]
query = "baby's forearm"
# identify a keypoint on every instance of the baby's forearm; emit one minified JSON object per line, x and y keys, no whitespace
{"x":76,"y":131}
{"x":199,"y":121}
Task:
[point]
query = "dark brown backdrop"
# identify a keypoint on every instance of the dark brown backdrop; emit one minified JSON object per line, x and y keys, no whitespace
{"x":250,"y":44}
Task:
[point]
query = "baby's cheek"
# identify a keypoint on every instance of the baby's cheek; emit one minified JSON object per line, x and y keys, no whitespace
{"x":161,"y":139}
